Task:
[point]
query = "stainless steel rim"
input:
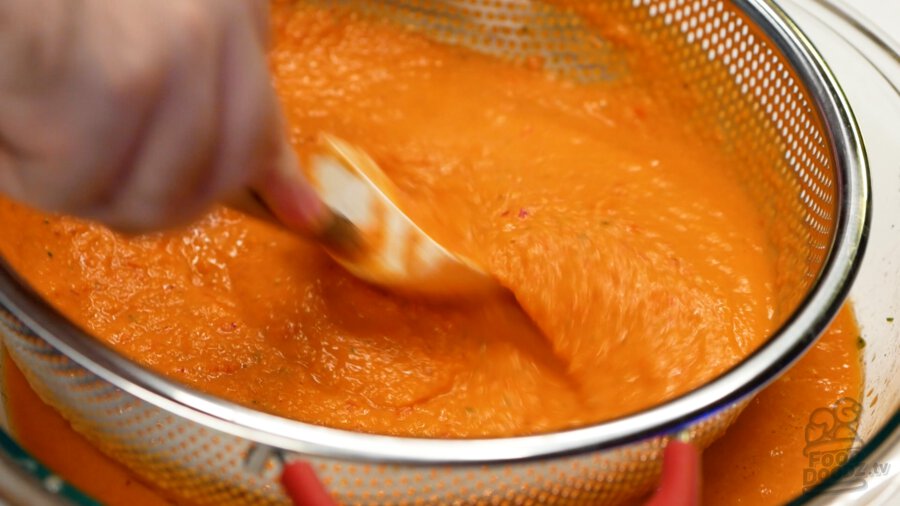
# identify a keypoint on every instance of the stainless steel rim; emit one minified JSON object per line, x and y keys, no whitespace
{"x":760,"y":368}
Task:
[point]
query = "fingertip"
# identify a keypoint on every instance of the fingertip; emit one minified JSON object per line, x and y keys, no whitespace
{"x":288,"y":194}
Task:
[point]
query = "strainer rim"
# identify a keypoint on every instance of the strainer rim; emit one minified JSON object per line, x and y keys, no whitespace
{"x":782,"y":349}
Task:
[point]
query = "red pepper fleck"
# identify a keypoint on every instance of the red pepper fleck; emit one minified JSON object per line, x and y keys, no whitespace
{"x":523,"y":213}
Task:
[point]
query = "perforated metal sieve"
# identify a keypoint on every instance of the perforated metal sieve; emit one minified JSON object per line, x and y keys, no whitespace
{"x":765,"y":94}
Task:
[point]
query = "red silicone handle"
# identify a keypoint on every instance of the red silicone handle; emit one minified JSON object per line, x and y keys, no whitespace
{"x":679,"y":484}
{"x":303,"y":487}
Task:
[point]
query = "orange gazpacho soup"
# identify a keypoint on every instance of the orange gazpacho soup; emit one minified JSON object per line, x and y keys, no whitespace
{"x":639,"y":270}
{"x":760,"y":461}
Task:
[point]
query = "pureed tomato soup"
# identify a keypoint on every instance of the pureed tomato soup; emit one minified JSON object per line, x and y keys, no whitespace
{"x":640,"y":269}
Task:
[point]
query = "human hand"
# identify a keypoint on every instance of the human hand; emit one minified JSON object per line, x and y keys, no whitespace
{"x":142,"y":113}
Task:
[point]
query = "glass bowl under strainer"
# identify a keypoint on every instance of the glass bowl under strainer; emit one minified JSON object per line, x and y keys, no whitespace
{"x":766,"y":96}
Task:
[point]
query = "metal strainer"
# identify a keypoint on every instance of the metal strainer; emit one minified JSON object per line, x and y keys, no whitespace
{"x":766,"y":95}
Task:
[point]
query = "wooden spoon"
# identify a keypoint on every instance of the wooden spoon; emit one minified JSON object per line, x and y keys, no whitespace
{"x":370,"y":236}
